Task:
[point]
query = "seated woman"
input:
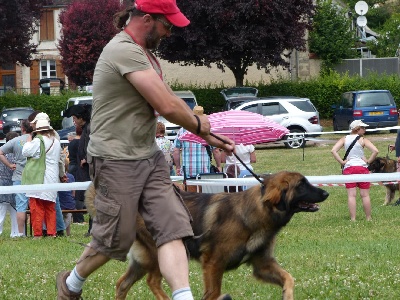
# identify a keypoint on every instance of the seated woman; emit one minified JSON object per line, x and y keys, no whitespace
{"x":246,"y":153}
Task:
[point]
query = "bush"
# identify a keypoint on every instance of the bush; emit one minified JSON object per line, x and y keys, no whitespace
{"x":51,"y":105}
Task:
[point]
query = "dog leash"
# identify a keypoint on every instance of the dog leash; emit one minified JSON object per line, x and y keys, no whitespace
{"x":238,"y":158}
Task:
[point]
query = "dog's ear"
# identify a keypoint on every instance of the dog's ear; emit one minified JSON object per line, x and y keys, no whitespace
{"x":275,"y":187}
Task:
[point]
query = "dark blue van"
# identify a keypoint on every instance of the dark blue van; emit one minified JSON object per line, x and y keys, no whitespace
{"x":376,"y":108}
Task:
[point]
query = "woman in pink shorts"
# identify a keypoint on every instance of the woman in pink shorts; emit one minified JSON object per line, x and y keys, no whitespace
{"x":356,"y":163}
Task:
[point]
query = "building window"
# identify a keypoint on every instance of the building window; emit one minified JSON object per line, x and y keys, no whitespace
{"x":47,"y":25}
{"x":48,"y":69}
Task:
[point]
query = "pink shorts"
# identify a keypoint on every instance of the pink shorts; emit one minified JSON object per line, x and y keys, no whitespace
{"x":357,"y":170}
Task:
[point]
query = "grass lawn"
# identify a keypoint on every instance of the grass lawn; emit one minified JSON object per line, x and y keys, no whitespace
{"x":329,"y":256}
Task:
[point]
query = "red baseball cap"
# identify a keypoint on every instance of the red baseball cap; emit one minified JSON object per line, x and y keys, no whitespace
{"x":168,"y":8}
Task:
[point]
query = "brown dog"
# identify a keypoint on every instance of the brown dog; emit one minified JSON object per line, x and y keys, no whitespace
{"x":230,"y":229}
{"x":385,"y":165}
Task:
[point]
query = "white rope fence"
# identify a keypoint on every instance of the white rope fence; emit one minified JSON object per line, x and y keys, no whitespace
{"x":327,"y":180}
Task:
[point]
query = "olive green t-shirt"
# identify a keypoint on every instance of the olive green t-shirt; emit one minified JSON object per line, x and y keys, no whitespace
{"x":123,"y":123}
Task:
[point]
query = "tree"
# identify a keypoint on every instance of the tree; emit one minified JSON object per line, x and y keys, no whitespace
{"x":388,"y":41}
{"x":238,"y":33}
{"x":331,"y":38}
{"x":18,"y":22}
{"x":87,"y":26}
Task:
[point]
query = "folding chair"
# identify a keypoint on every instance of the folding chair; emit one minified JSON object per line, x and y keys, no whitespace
{"x":211,"y":188}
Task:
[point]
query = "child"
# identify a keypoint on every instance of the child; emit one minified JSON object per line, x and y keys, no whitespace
{"x":67,"y":200}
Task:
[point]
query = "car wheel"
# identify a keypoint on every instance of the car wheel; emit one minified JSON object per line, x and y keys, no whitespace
{"x":295,"y":140}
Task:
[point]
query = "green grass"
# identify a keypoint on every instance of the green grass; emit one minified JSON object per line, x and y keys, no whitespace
{"x":329,"y":256}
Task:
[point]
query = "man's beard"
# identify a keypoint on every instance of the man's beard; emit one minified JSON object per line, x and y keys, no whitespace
{"x":153,"y":39}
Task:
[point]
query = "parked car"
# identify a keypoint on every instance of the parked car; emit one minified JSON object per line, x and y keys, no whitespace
{"x":376,"y":108}
{"x":11,"y":119}
{"x":67,"y":124}
{"x":171,"y":129}
{"x":298,"y":115}
{"x":237,"y":95}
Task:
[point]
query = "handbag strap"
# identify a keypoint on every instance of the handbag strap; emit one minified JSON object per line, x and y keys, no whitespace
{"x":351,"y":146}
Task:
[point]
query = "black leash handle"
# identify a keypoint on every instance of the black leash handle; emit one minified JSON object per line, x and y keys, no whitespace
{"x":238,"y":158}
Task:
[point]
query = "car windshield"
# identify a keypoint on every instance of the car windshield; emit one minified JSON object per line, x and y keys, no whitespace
{"x":374,"y":99}
{"x":17,"y":114}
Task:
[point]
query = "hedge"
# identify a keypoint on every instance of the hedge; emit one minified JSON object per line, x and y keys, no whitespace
{"x":322,"y":91}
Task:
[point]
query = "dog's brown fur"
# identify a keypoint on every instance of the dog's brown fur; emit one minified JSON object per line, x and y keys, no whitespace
{"x":385,"y":165}
{"x":230,"y":229}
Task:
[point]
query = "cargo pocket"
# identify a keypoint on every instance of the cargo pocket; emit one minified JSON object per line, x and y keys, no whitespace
{"x":107,"y":219}
{"x":178,"y":194}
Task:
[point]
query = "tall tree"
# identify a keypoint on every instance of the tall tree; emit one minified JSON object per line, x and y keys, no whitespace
{"x":87,"y":26}
{"x":236,"y":34}
{"x":388,"y":41}
{"x":18,"y":22}
{"x":331,"y":38}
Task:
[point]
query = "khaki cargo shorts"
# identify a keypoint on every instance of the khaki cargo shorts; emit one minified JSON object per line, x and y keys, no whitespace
{"x":126,"y":188}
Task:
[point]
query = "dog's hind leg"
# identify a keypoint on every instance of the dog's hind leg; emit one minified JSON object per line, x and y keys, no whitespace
{"x":154,"y":282}
{"x":134,"y":273}
{"x":270,"y":271}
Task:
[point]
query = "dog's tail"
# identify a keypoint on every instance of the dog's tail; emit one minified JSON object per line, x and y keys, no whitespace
{"x":89,"y":200}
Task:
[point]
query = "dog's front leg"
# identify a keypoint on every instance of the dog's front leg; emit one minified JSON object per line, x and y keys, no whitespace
{"x":270,"y":271}
{"x":213,"y":272}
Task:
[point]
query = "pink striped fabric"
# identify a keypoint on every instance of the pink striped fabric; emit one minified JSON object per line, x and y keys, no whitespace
{"x":241,"y":127}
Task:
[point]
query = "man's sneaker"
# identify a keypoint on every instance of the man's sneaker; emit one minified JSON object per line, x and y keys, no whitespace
{"x":63,"y":293}
{"x":225,"y":297}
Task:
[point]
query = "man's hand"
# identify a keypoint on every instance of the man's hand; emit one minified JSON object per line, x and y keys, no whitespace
{"x":391,"y":148}
{"x":227,"y":145}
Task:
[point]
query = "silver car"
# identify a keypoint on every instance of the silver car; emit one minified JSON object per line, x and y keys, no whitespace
{"x":298,"y":115}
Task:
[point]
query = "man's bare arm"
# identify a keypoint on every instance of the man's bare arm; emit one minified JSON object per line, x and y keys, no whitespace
{"x":149,"y":85}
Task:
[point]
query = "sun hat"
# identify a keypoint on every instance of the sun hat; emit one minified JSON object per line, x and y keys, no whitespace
{"x":168,"y":8}
{"x":42,"y":125}
{"x":75,"y":110}
{"x":198,"y":110}
{"x":357,"y":123}
{"x":40,"y":116}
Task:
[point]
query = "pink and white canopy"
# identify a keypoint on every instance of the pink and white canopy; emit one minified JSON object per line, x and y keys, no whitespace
{"x":241,"y":127}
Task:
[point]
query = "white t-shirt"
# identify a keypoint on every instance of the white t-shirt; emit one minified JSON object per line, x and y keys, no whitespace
{"x":243,"y":152}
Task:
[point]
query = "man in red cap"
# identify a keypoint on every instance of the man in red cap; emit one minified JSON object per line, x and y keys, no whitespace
{"x":131,"y":175}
